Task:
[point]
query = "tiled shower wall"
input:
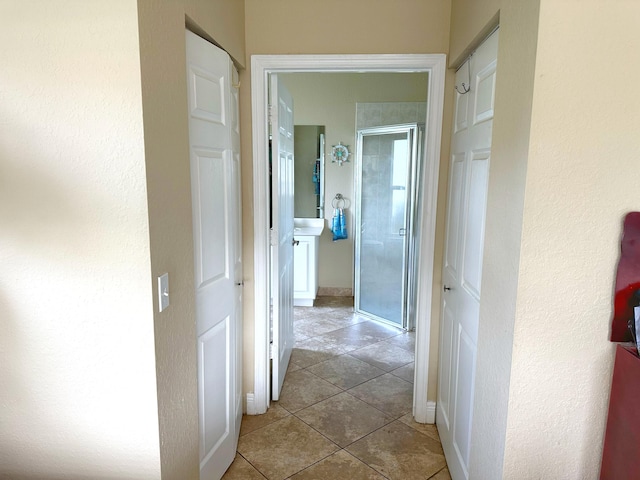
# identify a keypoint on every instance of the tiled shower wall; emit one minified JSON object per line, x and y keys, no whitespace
{"x":389,"y":113}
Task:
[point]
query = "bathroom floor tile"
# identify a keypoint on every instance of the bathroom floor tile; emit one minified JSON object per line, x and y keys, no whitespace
{"x":337,"y":466}
{"x":406,"y":340}
{"x":306,"y":358}
{"x":299,"y":337}
{"x":284,"y":448}
{"x":400,"y":452}
{"x":357,"y":336}
{"x":405,"y":372}
{"x":387,"y":393}
{"x":300,"y":313}
{"x":342,"y":415}
{"x":254,"y":422}
{"x":344,"y":302}
{"x":293,"y":366}
{"x":345,"y":371}
{"x":302,"y":389}
{"x":378,"y":330}
{"x":314,"y":326}
{"x":384,"y":355}
{"x":427,"y":429}
{"x":343,"y":418}
{"x":240,"y":469}
{"x":322,"y":343}
{"x":442,"y":475}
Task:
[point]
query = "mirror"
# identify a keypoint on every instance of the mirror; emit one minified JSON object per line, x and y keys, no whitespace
{"x":308,"y":150}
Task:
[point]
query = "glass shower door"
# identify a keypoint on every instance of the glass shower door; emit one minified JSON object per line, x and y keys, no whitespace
{"x":384,"y":213}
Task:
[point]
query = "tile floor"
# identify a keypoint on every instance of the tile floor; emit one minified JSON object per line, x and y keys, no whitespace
{"x":345,"y":407}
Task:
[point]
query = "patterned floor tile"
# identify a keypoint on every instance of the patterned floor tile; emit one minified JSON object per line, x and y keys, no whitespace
{"x":406,"y":372}
{"x":428,"y":429}
{"x":302,"y":389}
{"x":384,"y":355}
{"x":345,"y":371}
{"x":240,"y":469}
{"x":254,"y":422}
{"x":388,"y":393}
{"x":343,"y":418}
{"x":284,"y":448}
{"x":331,"y":398}
{"x":337,"y":466}
{"x":400,"y":452}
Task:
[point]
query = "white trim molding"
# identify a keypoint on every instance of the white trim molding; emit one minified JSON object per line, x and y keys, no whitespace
{"x":251,"y":405}
{"x":431,"y":413}
{"x":261,"y":67}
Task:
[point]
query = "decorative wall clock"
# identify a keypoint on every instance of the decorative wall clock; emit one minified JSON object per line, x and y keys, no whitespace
{"x":339,"y":153}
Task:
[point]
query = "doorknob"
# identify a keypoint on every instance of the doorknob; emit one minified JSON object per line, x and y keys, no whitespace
{"x":295,"y":242}
{"x":446,"y":288}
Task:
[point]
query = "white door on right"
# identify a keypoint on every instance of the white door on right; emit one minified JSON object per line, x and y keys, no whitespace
{"x":462,"y":269}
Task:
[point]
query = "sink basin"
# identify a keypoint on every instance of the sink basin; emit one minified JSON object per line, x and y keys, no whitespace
{"x":308,"y":226}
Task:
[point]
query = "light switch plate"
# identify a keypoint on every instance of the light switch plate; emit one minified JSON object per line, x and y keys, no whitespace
{"x":163,"y":291}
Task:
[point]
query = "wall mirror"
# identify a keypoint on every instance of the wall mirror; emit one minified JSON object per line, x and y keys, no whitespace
{"x":309,"y":171}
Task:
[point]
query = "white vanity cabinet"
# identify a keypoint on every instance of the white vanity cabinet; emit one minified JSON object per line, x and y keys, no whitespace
{"x":305,"y":270}
{"x":305,"y":260}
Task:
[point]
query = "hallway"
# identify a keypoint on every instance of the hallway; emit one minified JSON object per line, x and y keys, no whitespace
{"x":345,"y":407}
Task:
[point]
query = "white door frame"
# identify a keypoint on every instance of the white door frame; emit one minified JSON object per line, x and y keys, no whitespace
{"x":261,"y":67}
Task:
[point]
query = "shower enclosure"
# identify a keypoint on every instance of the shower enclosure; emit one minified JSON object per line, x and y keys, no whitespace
{"x":387,"y":172}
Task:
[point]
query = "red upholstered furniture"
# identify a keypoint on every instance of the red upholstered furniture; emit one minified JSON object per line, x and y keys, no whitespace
{"x":621,"y":455}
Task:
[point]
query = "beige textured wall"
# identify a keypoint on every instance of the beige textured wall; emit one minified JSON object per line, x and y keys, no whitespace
{"x":471,"y":21}
{"x":330,"y":99}
{"x":77,"y":364}
{"x":582,"y":177}
{"x":95,"y":205}
{"x":220,"y":21}
{"x":162,"y":52}
{"x":357,"y":26}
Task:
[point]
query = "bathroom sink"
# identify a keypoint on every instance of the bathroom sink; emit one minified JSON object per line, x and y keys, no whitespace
{"x":308,"y":226}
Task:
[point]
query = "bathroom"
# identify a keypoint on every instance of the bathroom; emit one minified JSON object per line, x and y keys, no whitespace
{"x":340,"y":104}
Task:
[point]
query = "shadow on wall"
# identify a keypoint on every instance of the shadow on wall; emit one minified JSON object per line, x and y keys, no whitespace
{"x":34,"y":205}
{"x":52,"y":249}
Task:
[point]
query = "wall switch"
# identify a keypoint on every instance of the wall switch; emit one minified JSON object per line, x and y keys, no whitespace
{"x":163,"y":291}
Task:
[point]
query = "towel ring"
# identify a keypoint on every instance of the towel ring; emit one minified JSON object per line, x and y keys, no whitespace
{"x":338,"y":201}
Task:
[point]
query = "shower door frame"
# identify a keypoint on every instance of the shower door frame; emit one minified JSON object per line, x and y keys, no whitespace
{"x":415,"y":133}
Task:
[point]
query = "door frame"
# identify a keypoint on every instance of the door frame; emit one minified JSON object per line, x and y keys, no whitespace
{"x":261,"y":67}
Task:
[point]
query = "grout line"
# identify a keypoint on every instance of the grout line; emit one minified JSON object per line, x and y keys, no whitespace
{"x":256,"y":468}
{"x":327,"y":314}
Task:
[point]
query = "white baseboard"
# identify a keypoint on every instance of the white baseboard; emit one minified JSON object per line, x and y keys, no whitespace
{"x":431,"y":412}
{"x":251,"y":404}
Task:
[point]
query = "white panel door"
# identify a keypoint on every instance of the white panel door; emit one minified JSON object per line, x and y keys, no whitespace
{"x":282,"y":231}
{"x":237,"y":243}
{"x":214,"y":165}
{"x":462,"y":269}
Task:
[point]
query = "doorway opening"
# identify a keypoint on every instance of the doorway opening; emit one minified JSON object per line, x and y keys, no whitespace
{"x":262,"y":67}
